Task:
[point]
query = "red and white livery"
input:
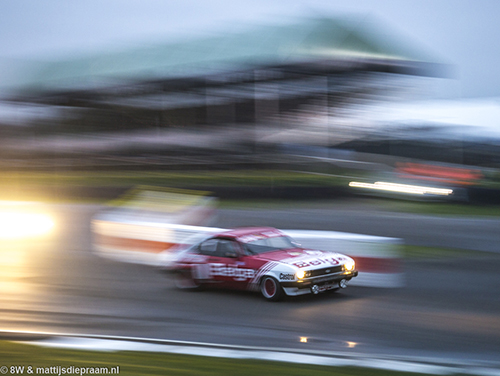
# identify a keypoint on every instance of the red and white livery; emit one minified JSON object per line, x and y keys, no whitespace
{"x":259,"y":259}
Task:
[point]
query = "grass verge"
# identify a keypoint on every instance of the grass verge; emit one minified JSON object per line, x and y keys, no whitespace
{"x":383,"y":204}
{"x":444,"y":208}
{"x":170,"y":178}
{"x":418,"y":252}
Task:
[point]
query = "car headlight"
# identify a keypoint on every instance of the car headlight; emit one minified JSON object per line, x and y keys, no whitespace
{"x":300,"y":274}
{"x":349,"y":266}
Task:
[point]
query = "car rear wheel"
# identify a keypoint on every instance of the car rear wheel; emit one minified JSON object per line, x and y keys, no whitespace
{"x":271,"y":289}
{"x":184,"y":280}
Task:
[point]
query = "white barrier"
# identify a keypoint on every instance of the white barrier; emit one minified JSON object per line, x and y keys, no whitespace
{"x":141,"y":242}
{"x":148,"y":220}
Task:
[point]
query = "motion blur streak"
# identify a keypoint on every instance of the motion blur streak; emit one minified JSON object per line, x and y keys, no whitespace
{"x":351,"y":345}
{"x":12,"y":260}
{"x":20,"y":224}
{"x":402,"y":188}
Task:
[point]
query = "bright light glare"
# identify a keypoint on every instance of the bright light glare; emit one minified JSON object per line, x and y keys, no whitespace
{"x":349,"y":266}
{"x":300,"y":274}
{"x":303,"y":339}
{"x":351,"y":345}
{"x":14,"y":225}
{"x":402,"y":188}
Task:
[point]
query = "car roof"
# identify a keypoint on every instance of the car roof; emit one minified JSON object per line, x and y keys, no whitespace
{"x":243,"y":231}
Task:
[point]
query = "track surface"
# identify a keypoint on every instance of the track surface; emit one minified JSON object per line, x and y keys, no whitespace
{"x":448,"y":308}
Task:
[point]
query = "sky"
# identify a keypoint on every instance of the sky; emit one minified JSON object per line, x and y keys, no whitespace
{"x":462,"y":32}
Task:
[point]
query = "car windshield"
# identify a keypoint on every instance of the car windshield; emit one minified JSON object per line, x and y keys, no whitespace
{"x":270,"y":244}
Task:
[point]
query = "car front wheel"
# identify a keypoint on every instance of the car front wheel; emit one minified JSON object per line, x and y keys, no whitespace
{"x":271,"y":289}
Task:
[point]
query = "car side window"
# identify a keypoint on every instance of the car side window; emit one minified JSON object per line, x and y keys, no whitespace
{"x":226,"y":248}
{"x":208,"y":247}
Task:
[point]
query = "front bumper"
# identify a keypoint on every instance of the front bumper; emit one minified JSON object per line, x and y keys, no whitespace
{"x":320,"y":284}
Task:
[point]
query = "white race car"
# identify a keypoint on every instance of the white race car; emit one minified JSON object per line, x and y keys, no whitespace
{"x":260,"y":259}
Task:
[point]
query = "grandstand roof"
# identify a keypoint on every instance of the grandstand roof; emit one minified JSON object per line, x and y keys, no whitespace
{"x":318,"y":43}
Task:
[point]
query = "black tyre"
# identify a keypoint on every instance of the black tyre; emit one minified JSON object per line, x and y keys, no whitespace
{"x":271,"y":289}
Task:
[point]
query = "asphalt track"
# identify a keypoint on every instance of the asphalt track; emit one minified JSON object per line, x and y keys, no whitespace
{"x":448,"y":308}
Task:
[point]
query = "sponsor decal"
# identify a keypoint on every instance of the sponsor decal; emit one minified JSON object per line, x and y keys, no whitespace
{"x":316,"y":262}
{"x":287,"y":276}
{"x":329,"y":286}
{"x":223,"y":270}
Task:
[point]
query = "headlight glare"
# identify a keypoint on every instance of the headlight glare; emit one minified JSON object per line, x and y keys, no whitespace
{"x":300,"y":274}
{"x":349,"y":266}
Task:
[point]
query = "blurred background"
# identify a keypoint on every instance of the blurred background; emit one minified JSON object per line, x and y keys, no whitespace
{"x":326,"y":92}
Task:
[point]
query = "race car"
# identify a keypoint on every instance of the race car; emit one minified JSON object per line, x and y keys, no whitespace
{"x":260,"y":259}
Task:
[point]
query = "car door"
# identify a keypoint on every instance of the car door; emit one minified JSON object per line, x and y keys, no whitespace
{"x":227,"y":267}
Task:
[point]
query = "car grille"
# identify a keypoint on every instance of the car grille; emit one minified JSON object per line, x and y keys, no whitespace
{"x":325,"y":271}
